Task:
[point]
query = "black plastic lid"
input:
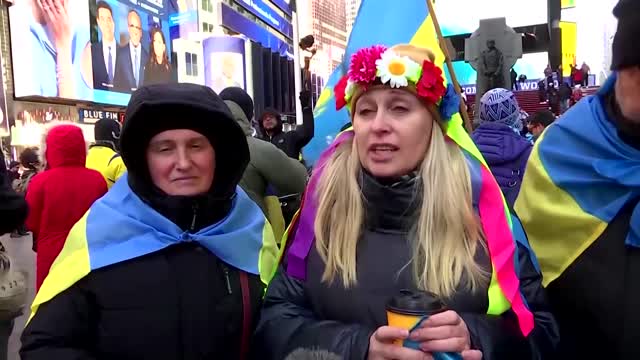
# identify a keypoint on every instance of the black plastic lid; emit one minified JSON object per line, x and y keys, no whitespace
{"x":417,"y":303}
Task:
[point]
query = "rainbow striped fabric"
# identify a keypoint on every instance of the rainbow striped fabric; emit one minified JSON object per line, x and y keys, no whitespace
{"x":120,"y":227}
{"x":579,"y":176}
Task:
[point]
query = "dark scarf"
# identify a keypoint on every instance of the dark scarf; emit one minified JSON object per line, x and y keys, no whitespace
{"x":390,"y":205}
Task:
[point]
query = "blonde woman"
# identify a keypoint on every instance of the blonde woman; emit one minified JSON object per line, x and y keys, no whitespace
{"x":404,"y":202}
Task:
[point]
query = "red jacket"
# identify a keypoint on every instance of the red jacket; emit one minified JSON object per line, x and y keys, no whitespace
{"x":61,"y":195}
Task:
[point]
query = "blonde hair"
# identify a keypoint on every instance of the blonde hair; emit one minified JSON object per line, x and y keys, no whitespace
{"x":446,"y":233}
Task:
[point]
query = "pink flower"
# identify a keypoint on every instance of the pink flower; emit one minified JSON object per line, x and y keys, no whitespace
{"x":363,"y":64}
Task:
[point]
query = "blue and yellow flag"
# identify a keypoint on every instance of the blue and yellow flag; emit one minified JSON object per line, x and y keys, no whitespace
{"x":579,"y":176}
{"x":121,"y":227}
{"x":377,"y":23}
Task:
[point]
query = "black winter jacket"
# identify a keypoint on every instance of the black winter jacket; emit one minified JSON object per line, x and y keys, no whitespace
{"x":291,"y":142}
{"x":596,"y":298}
{"x":13,"y":207}
{"x":179,"y":303}
{"x":313,"y":314}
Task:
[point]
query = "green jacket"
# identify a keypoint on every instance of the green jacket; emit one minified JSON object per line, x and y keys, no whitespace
{"x":268,"y":165}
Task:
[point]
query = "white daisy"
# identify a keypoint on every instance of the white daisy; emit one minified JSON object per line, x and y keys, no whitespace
{"x":397,"y":70}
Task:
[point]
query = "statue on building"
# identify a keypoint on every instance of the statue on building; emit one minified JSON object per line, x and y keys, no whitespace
{"x":492,"y":66}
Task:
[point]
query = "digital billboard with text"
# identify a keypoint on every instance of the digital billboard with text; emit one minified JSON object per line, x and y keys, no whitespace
{"x":95,"y":50}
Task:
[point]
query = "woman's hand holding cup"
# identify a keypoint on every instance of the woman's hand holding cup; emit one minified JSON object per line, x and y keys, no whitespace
{"x":445,"y":332}
{"x":382,"y":347}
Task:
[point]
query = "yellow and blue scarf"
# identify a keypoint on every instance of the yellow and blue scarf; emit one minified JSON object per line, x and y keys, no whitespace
{"x":121,"y":227}
{"x":579,"y":176}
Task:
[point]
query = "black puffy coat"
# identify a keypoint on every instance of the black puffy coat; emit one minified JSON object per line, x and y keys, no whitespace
{"x":313,"y":314}
{"x":182,"y":302}
{"x":13,"y":207}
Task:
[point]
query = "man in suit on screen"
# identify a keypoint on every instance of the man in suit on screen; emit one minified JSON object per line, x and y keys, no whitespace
{"x":131,"y":57}
{"x":104,"y":53}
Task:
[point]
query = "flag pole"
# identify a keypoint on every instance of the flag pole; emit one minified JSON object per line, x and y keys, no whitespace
{"x":447,"y":59}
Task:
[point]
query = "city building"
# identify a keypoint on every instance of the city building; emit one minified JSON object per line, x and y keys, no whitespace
{"x":326,"y":21}
{"x":352,"y":12}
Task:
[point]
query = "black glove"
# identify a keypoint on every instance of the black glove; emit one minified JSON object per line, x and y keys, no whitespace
{"x":305,"y":98}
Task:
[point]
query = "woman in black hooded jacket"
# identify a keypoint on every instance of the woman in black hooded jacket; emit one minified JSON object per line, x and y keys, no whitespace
{"x":171,"y":262}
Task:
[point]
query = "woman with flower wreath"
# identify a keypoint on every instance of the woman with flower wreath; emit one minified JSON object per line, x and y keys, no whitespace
{"x":404,"y":201}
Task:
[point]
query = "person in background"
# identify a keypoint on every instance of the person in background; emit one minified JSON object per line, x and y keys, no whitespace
{"x":158,"y":69}
{"x":585,"y":70}
{"x":539,"y":121}
{"x":577,"y":94}
{"x":173,"y":262}
{"x":390,"y":207}
{"x":30,"y":162}
{"x":564,"y":94}
{"x":103,"y":155}
{"x":13,"y":213}
{"x":514,"y":79}
{"x":13,"y":173}
{"x":579,"y":206}
{"x":498,"y":139}
{"x":542,"y":91}
{"x":290,"y":142}
{"x":268,"y":165}
{"x":60,"y":195}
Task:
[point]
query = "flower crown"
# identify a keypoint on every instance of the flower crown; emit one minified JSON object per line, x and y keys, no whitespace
{"x":377,"y":63}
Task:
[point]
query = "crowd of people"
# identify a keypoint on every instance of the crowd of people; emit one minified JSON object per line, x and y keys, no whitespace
{"x":162,"y":242}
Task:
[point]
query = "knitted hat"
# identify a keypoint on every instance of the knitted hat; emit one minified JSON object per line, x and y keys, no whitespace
{"x":624,"y":52}
{"x":240,"y":97}
{"x":500,"y":106}
{"x":107,"y":130}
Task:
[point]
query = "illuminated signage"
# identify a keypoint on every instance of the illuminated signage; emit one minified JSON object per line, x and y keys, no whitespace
{"x":89,"y":116}
{"x":261,"y":10}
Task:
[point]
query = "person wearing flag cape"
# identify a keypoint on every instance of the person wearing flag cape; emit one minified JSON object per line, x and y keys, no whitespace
{"x":172,"y":262}
{"x":579,"y":204}
{"x":404,"y":201}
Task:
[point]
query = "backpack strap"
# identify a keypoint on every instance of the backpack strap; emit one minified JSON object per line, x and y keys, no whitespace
{"x":115,"y":156}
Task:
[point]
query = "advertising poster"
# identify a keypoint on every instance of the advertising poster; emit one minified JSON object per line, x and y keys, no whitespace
{"x":183,"y":20}
{"x":89,"y":50}
{"x":565,"y":4}
{"x":517,"y":13}
{"x":569,"y":36}
{"x":224,"y":62}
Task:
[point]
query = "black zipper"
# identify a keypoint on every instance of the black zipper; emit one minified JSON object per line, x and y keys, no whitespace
{"x":225,"y":270}
{"x":195,"y":216}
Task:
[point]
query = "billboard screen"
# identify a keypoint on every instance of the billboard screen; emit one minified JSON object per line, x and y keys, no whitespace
{"x":517,"y":12}
{"x":96,"y":50}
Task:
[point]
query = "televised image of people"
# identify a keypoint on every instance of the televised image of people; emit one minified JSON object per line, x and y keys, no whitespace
{"x":158,"y":69}
{"x":133,"y":57}
{"x":131,"y":48}
{"x":104,"y":53}
{"x":54,"y":56}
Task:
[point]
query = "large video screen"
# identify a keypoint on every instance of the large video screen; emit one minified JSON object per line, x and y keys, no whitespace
{"x":531,"y":65}
{"x":463,"y":16}
{"x":90,"y":50}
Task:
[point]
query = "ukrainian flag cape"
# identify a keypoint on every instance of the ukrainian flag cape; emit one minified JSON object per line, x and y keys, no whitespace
{"x":409,"y":21}
{"x":121,"y":227}
{"x":579,"y":176}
